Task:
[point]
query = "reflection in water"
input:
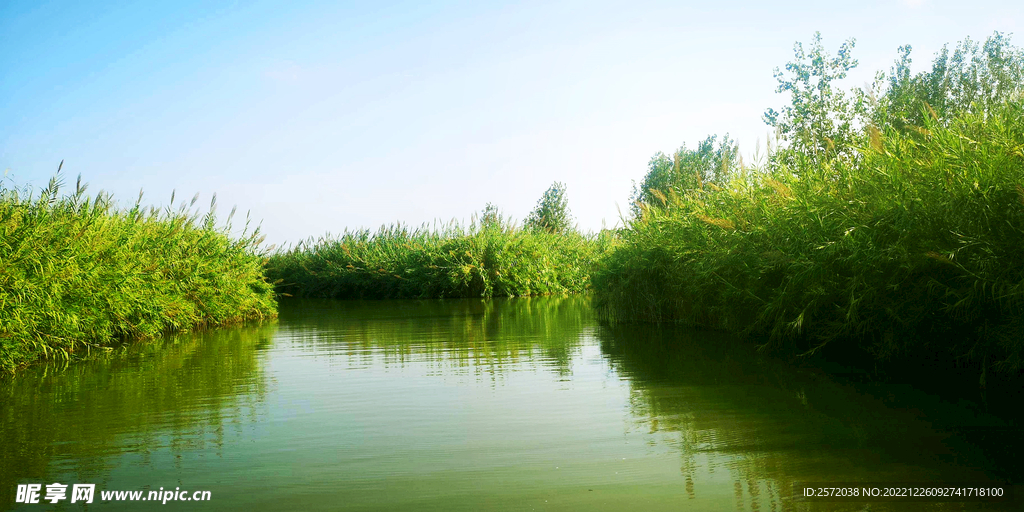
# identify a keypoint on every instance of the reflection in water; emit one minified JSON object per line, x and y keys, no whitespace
{"x":479,"y":336}
{"x":770,"y":425}
{"x":176,"y":395}
{"x":515,"y":404}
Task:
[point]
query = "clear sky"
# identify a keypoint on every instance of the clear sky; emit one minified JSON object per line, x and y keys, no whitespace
{"x":316,"y":116}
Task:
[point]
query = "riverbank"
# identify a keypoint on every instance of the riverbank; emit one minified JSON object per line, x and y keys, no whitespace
{"x":899,"y":239}
{"x":78,"y":274}
{"x":489,"y":259}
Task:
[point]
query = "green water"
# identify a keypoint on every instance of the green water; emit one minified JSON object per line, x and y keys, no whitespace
{"x":524,"y":404}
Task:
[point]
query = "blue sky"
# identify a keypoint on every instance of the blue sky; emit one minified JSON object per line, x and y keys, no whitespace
{"x":316,"y":116}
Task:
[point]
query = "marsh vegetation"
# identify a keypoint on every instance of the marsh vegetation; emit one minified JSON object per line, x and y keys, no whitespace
{"x":78,"y":274}
{"x":885,"y":221}
{"x":491,"y":257}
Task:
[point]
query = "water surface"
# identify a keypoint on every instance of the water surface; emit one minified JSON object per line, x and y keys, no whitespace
{"x":522,"y":404}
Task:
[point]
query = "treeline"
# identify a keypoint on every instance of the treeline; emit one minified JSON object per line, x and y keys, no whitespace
{"x":886,"y":220}
{"x":491,"y":257}
{"x":78,"y":274}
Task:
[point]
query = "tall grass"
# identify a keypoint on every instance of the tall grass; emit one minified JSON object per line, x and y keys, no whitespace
{"x":77,"y":273}
{"x":489,"y":259}
{"x":912,"y":248}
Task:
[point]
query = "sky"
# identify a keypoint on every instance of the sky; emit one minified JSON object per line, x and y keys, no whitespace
{"x":320,"y":116}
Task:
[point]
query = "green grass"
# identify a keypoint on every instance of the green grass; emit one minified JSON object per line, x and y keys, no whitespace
{"x":78,"y":274}
{"x":490,"y":260}
{"x":913,"y":248}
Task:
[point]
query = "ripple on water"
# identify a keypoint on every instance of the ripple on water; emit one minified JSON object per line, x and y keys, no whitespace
{"x":462,"y":405}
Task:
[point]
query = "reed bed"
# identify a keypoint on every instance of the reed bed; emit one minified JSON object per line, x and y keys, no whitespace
{"x":495,"y":258}
{"x":915,"y":248}
{"x":906,"y":244}
{"x":79,"y":274}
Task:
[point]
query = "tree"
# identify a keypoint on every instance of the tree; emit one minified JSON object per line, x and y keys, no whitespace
{"x":971,"y":79}
{"x":552,"y":211}
{"x":820,"y":120}
{"x":686,"y":170}
{"x":822,"y":123}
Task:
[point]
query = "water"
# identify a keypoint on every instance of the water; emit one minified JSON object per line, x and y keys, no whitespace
{"x":524,"y":404}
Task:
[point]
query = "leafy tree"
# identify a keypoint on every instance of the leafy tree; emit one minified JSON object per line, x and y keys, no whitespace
{"x":687,"y":169}
{"x":820,"y":121}
{"x":823,"y":122}
{"x":552,"y":211}
{"x":973,"y":79}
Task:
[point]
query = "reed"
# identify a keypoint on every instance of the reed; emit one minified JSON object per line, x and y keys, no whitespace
{"x":905,"y":244}
{"x":492,"y":258}
{"x":79,"y":274}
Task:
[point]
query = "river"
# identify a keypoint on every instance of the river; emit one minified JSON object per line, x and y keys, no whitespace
{"x":517,"y":404}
